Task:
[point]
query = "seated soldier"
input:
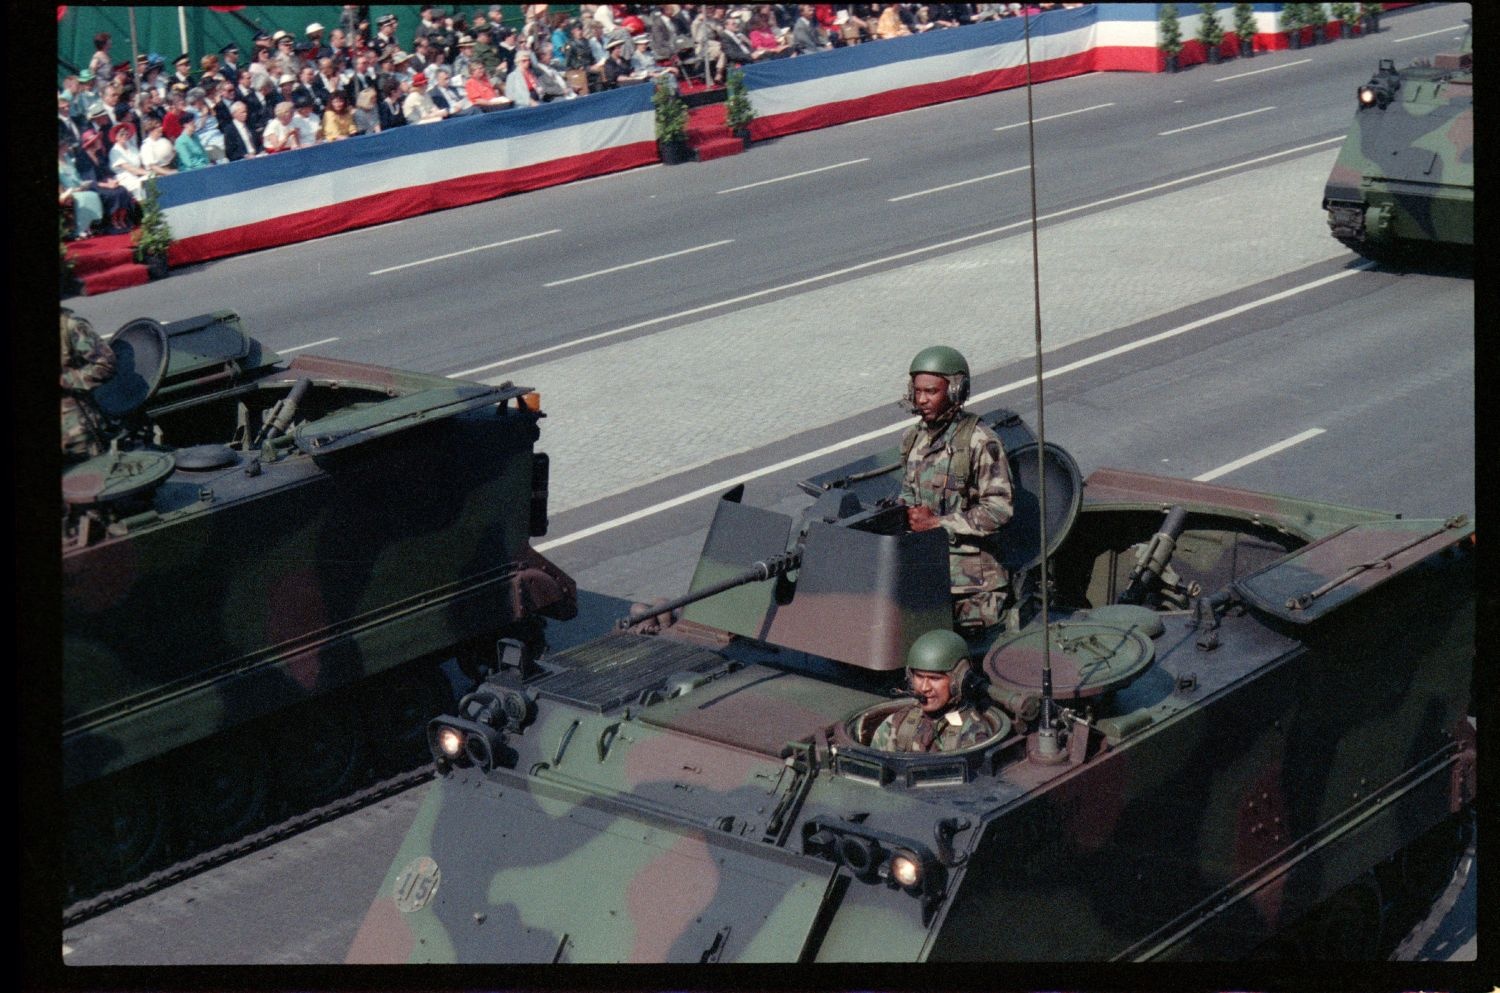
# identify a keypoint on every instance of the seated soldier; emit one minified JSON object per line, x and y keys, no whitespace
{"x":940,"y":721}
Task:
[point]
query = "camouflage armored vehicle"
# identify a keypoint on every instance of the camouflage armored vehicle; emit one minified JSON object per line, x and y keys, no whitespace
{"x":1267,"y":743}
{"x":1405,"y":175}
{"x":262,"y":577}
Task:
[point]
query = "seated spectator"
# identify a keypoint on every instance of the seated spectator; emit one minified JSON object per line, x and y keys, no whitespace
{"x":125,"y":159}
{"x":418,"y":107}
{"x":549,"y":80}
{"x":481,"y":92}
{"x":190,"y":154}
{"x":280,"y":135}
{"x":157,"y":153}
{"x":366,"y":117}
{"x":241,"y":140}
{"x":206,"y":125}
{"x":120,"y":209}
{"x":78,"y":193}
{"x":807,"y":35}
{"x":644,"y":64}
{"x":307,"y":79}
{"x":764,"y":38}
{"x":391,"y":114}
{"x":890,"y":23}
{"x":306,"y":120}
{"x":449,"y":97}
{"x":736,"y":44}
{"x":521,"y":87}
{"x":617,"y":68}
{"x":69,"y":128}
{"x":338,"y":118}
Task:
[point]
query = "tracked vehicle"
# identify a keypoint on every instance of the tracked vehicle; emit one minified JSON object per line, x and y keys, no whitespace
{"x":1256,"y":741}
{"x":262,"y":576}
{"x":1403,"y":185}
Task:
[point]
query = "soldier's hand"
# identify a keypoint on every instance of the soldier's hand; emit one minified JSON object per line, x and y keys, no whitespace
{"x":921,"y":518}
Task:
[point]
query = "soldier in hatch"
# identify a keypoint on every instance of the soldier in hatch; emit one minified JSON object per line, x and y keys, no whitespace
{"x":87,"y":361}
{"x":939,"y":721}
{"x":956,"y":477}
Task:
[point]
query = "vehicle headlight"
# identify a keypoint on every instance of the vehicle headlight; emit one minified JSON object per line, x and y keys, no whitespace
{"x":450,"y":742}
{"x":906,"y":869}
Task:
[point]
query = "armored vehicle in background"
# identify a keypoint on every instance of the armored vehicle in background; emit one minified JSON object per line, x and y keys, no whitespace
{"x":1403,"y":184}
{"x":1256,"y":741}
{"x":262,"y":577}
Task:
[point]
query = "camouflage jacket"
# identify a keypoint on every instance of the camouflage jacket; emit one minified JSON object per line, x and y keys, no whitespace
{"x":958,"y":728}
{"x":972,"y":501}
{"x":87,"y":361}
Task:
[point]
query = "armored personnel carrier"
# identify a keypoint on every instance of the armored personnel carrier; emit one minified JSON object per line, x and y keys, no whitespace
{"x":262,"y":576}
{"x":1403,"y":184}
{"x":1253,"y":739}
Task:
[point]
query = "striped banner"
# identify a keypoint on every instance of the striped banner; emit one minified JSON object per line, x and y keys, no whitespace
{"x":312,"y":192}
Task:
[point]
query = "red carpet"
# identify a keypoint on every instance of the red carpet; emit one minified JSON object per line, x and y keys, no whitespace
{"x":105,"y":263}
{"x":709,"y":135}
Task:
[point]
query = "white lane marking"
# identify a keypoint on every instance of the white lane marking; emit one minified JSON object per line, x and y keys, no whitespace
{"x":795,"y":284}
{"x":1256,"y":456}
{"x":962,"y":182}
{"x":611,"y":175}
{"x":632,"y":265}
{"x":466,"y":251}
{"x":795,"y":175}
{"x":1255,"y":72}
{"x":1053,"y":117}
{"x":721,"y":486}
{"x":1424,"y":34}
{"x":1217,"y":120}
{"x":310,"y":344}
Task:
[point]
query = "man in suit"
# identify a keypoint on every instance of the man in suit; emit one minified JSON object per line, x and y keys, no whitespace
{"x":240,"y":140}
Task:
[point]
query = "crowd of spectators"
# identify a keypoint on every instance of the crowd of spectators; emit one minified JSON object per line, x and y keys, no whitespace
{"x":120,"y":125}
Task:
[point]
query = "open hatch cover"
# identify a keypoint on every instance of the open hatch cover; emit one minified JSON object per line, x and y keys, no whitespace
{"x":356,"y":425}
{"x":1318,"y":578}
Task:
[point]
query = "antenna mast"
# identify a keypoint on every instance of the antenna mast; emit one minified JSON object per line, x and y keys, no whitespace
{"x":1047,"y":734}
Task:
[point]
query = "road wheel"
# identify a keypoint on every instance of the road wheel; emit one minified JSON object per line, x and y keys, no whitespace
{"x":116,"y":832}
{"x":320,"y":755}
{"x":403,"y":706}
{"x":220,"y":790}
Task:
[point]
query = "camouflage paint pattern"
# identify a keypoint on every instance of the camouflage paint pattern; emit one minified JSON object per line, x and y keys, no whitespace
{"x":87,"y":361}
{"x":1405,"y":174}
{"x":392,"y":525}
{"x":970,"y":505}
{"x":691,"y":797}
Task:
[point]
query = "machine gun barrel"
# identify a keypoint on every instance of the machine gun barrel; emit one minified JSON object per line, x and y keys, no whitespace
{"x":284,"y":412}
{"x":1154,"y":557}
{"x":770,"y":568}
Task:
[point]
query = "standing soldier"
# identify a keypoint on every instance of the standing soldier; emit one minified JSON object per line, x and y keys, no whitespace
{"x":87,"y":361}
{"x":939,"y":721}
{"x":955,"y":476}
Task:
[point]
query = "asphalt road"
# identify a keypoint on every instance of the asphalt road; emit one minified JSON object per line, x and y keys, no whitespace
{"x":1197,"y":315}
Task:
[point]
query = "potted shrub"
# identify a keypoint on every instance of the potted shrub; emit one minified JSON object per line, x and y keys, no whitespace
{"x":737,"y":110}
{"x":1244,"y":28}
{"x":1210,"y":31}
{"x":1169,"y":35}
{"x":1369,"y":17}
{"x":1344,"y":13}
{"x":1316,"y":19}
{"x":671,"y":123}
{"x":1291,"y":20}
{"x":154,"y":236}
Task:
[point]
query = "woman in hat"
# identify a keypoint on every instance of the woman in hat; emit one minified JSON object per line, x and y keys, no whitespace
{"x":125,"y":158}
{"x":338,"y":117}
{"x":366,"y":118}
{"x":95,"y":174}
{"x":76,"y":192}
{"x":157,"y":153}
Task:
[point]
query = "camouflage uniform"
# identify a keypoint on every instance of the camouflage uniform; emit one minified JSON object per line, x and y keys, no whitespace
{"x":909,"y":730}
{"x":87,"y":361}
{"x":971,"y":509}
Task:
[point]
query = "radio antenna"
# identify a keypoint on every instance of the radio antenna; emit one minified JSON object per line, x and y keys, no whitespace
{"x":1047,"y":741}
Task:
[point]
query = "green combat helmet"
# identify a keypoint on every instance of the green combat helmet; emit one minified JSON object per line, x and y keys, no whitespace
{"x":943,"y":651}
{"x":939,"y":360}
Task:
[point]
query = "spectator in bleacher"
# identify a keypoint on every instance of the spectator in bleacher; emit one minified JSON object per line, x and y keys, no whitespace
{"x":157,"y":153}
{"x":617,"y":68}
{"x":208,"y":71}
{"x":263,"y":66}
{"x":738,"y":49}
{"x":306,"y":86}
{"x":366,"y":117}
{"x":643,"y":62}
{"x":175,"y":103}
{"x":151,"y":76}
{"x":338,"y":118}
{"x":391,"y":114}
{"x":560,"y":33}
{"x":190,"y":154}
{"x":338,"y":43}
{"x":505,"y":49}
{"x":240,"y":139}
{"x":765,"y":40}
{"x":890,"y":24}
{"x":99,"y":63}
{"x":385,"y":33}
{"x":95,"y":174}
{"x":418,"y":107}
{"x":401,"y":67}
{"x":521,"y":85}
{"x":317,"y":48}
{"x":268,"y":95}
{"x":229,"y":62}
{"x":75,"y":191}
{"x":481,"y":92}
{"x":366,"y":75}
{"x":284,"y":55}
{"x":206,"y":124}
{"x":285,"y":84}
{"x":181,"y":72}
{"x":807,"y":36}
{"x":307,"y":121}
{"x":328,"y":81}
{"x":421,"y":55}
{"x":125,"y":159}
{"x":279,"y":135}
{"x":69,"y":128}
{"x":549,"y":80}
{"x":449,"y":96}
